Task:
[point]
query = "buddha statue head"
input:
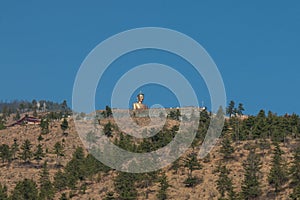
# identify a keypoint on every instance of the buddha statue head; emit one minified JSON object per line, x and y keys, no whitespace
{"x":139,"y":104}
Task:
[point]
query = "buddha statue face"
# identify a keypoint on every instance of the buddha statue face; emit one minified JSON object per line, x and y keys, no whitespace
{"x":140,"y":98}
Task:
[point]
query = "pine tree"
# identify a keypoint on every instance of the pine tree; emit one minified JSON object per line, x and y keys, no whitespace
{"x":295,"y":168}
{"x":192,"y":163}
{"x":278,"y":175}
{"x":60,"y":180}
{"x":39,"y":154}
{"x":75,"y":169}
{"x":108,"y":129}
{"x":124,"y":186}
{"x":5,"y":153}
{"x":64,"y":125}
{"x":46,"y":187}
{"x":26,"y":153}
{"x":58,"y":150}
{"x":3,"y":192}
{"x":164,"y":185}
{"x":227,"y":149}
{"x":64,"y":107}
{"x":295,"y":174}
{"x":251,"y":184}
{"x":224,"y":184}
{"x":40,"y":138}
{"x":108,"y":111}
{"x":295,"y":195}
{"x":25,"y":190}
{"x":230,"y":109}
{"x":44,"y":126}
{"x":14,"y":148}
{"x":240,"y":109}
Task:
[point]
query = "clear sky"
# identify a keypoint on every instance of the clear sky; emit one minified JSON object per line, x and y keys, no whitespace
{"x":255,"y":44}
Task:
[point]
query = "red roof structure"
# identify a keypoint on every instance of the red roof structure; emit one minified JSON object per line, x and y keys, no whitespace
{"x":26,"y":120}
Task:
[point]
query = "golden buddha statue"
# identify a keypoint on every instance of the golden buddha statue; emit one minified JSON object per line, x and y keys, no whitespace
{"x":139,"y":104}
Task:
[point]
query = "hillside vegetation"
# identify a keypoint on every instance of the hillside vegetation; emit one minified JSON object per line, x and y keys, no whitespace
{"x":256,"y":157}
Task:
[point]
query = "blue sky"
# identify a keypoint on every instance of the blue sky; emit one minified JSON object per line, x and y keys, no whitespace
{"x":255,"y":45}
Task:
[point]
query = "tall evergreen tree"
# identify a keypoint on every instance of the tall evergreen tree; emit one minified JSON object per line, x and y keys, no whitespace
{"x":59,"y":151}
{"x":231,"y":109}
{"x":224,"y":184}
{"x":64,"y":125}
{"x":75,"y":169}
{"x":125,"y":186}
{"x":192,"y":163}
{"x":25,"y":190}
{"x":240,"y":109}
{"x":14,"y":148}
{"x":3,"y":192}
{"x":5,"y":153}
{"x":39,"y":154}
{"x":60,"y":181}
{"x":46,"y":187}
{"x":44,"y":126}
{"x":251,"y":188}
{"x":226,"y":149}
{"x":108,"y":111}
{"x":295,"y":174}
{"x":164,"y":185}
{"x":108,"y":129}
{"x":26,"y":153}
{"x":278,"y":174}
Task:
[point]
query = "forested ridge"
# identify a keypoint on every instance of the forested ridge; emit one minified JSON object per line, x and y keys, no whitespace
{"x":257,"y":157}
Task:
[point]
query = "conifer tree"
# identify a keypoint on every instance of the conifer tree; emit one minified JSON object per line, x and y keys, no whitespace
{"x":164,"y":185}
{"x":108,"y":111}
{"x":39,"y":154}
{"x":58,"y":150}
{"x":46,"y":187}
{"x":14,"y":148}
{"x":5,"y":153}
{"x":60,"y":180}
{"x":108,"y":129}
{"x":226,"y":148}
{"x":295,"y":174}
{"x":44,"y":126}
{"x":192,"y":163}
{"x":224,"y":184}
{"x":295,"y":195}
{"x":278,"y":174}
{"x":75,"y":168}
{"x":26,"y":153}
{"x":64,"y":125}
{"x":125,"y":186}
{"x":230,"y":109}
{"x":25,"y":190}
{"x":295,"y":168}
{"x":251,"y":184}
{"x":3,"y":192}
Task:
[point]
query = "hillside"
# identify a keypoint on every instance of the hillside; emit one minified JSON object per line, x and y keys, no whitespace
{"x":102,"y":184}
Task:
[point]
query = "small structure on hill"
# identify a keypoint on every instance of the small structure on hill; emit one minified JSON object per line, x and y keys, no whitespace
{"x":26,"y":120}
